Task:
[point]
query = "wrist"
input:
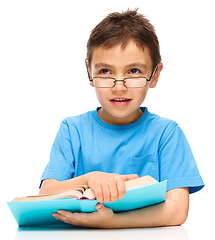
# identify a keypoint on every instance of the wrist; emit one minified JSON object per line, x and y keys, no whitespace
{"x":119,"y":221}
{"x":114,"y":223}
{"x":87,"y":177}
{"x":106,"y":218}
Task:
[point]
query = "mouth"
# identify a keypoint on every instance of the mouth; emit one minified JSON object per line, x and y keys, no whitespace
{"x":120,"y":102}
{"x":120,"y":99}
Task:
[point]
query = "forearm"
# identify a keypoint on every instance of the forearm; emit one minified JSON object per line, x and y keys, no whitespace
{"x":168,"y":213}
{"x":153,"y":216}
{"x":52,"y":185}
{"x":172,"y":212}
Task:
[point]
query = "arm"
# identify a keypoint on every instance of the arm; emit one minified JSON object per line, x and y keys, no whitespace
{"x":106,"y":186}
{"x":53,"y":185}
{"x":172,"y":212}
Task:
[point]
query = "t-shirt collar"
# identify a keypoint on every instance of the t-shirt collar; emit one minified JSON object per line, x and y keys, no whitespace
{"x":120,"y":127}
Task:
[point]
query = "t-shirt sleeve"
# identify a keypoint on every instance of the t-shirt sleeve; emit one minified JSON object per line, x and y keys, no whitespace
{"x":177,"y":163}
{"x":61,"y":163}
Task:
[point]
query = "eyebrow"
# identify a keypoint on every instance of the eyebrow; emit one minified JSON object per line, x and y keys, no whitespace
{"x":136,"y":64}
{"x":103,"y":65}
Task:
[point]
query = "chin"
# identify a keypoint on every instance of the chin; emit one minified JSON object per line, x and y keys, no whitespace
{"x":122,"y":115}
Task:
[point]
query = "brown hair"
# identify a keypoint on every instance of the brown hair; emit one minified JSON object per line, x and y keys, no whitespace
{"x":122,"y":27}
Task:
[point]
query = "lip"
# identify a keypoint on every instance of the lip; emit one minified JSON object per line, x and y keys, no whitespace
{"x":120,"y":101}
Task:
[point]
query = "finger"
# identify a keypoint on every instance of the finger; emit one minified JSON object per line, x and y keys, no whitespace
{"x":129,"y":177}
{"x":60,"y":217}
{"x":101,"y":209}
{"x":68,"y":217}
{"x":120,"y":187}
{"x":106,"y":192}
{"x":98,"y":192}
{"x":113,"y":190}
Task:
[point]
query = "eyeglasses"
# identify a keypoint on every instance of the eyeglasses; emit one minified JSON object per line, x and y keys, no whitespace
{"x":133,"y":82}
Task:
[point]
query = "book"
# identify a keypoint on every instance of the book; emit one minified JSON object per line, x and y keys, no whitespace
{"x":80,"y":192}
{"x":38,"y":210}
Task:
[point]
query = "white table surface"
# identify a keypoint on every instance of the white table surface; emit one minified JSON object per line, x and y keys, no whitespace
{"x":183,"y":232}
{"x":63,"y":234}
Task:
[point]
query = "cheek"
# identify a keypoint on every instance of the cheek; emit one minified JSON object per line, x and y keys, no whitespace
{"x":140,"y":94}
{"x":101,"y":94}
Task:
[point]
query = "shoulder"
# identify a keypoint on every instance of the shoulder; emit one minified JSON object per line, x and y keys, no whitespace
{"x":78,"y":122}
{"x":77,"y":118}
{"x":163,"y":129}
{"x":157,"y":122}
{"x":168,"y":131}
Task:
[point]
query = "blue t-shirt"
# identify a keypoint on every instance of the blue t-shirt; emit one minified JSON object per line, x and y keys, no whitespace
{"x":152,"y":146}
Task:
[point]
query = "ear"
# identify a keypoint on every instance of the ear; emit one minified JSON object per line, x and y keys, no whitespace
{"x":90,"y":77}
{"x":91,"y":84}
{"x":88,"y":72}
{"x":154,"y":82}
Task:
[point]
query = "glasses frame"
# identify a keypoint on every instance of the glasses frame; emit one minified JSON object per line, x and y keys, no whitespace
{"x":122,"y":80}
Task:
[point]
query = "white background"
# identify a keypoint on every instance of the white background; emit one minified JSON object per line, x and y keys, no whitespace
{"x":43,"y":80}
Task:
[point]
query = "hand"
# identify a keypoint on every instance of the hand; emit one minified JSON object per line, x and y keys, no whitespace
{"x":108,"y":186}
{"x":102,"y":218}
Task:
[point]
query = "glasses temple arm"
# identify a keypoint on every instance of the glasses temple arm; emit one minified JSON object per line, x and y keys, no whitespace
{"x":153,"y":72}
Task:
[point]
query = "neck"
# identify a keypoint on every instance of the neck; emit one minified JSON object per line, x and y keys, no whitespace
{"x":110,"y":119}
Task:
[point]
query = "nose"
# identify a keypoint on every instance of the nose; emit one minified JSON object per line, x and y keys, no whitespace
{"x":119,"y":86}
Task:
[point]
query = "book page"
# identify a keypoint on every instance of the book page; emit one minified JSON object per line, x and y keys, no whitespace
{"x":71,"y":193}
{"x":88,"y":194}
{"x":140,"y":182}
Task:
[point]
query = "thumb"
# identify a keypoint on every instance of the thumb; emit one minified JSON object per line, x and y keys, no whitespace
{"x":129,"y":177}
{"x":103,"y":210}
{"x":100,"y":207}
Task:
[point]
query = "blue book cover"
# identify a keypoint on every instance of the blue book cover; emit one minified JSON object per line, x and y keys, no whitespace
{"x":32,"y":213}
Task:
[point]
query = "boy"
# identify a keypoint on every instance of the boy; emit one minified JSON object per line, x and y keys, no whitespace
{"x":121,"y":140}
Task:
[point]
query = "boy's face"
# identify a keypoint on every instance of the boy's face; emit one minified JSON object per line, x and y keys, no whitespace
{"x":122,"y":63}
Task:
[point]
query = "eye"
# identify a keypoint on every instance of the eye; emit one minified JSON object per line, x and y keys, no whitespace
{"x":105,"y":71}
{"x":134,"y":71}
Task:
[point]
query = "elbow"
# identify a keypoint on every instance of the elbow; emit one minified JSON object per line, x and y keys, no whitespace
{"x":178,"y":221}
{"x":178,"y":217}
{"x":182,"y":218}
{"x":177,"y":207}
{"x":48,"y":186}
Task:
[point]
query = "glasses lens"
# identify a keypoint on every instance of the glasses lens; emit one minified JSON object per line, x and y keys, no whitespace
{"x":110,"y":82}
{"x":135,"y":82}
{"x":103,"y":82}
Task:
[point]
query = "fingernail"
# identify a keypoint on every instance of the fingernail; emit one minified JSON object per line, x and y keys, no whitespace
{"x":100,"y":205}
